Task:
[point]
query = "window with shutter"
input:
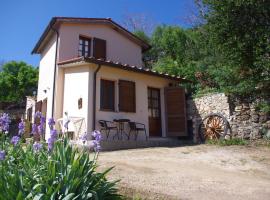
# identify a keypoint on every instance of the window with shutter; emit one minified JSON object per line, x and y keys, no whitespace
{"x":38,"y":106}
{"x":29,"y":114}
{"x":84,"y":46}
{"x":127,"y":96}
{"x":106,"y":95}
{"x":99,"y":48}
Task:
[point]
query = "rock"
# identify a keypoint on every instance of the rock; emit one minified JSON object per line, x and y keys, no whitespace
{"x":267,"y":124}
{"x":263,"y":118}
{"x":255,"y":118}
{"x":244,"y":117}
{"x":255,"y":134}
{"x":227,"y":137}
{"x":238,"y":108}
{"x":268,"y":134}
{"x":245,"y":106}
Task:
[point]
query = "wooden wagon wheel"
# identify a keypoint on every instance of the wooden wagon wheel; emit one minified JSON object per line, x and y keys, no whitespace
{"x":213,"y":127}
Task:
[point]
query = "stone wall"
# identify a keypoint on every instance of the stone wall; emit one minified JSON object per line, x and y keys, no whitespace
{"x":244,"y":120}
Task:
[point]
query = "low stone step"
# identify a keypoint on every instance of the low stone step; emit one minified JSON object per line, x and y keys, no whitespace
{"x":110,"y":145}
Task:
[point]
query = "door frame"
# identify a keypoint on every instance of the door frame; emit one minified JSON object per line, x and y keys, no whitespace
{"x":159,"y":108}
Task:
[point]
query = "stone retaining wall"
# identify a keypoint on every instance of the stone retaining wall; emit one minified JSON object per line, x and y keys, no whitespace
{"x":244,"y":120}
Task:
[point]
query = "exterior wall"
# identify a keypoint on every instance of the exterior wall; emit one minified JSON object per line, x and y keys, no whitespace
{"x":30,"y":102}
{"x":119,"y":48}
{"x":46,"y":75}
{"x":59,"y":93}
{"x":76,"y":82}
{"x":141,"y":83}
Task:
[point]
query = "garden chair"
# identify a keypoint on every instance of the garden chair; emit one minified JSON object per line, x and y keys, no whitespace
{"x":136,"y":128}
{"x":107,"y":126}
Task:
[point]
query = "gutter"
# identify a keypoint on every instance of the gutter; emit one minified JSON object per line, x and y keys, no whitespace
{"x":55,"y":66}
{"x":94,"y":97}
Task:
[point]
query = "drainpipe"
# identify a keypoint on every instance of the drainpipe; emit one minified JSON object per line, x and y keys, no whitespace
{"x":55,"y":66}
{"x":94,"y":96}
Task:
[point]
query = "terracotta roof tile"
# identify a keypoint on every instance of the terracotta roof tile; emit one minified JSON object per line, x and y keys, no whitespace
{"x":121,"y":66}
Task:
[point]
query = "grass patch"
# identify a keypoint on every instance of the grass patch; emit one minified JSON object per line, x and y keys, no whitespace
{"x":223,"y":142}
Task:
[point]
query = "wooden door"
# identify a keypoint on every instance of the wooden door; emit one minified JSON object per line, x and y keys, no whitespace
{"x":175,"y":111}
{"x":154,"y":112}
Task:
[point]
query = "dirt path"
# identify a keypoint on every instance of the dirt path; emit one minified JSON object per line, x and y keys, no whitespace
{"x":193,"y":172}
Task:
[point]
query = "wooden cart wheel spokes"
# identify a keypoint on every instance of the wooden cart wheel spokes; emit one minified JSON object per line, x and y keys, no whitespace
{"x":213,"y":127}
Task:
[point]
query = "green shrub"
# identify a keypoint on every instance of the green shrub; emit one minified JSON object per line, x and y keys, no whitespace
{"x":224,"y":142}
{"x":263,"y":107}
{"x":34,"y":171}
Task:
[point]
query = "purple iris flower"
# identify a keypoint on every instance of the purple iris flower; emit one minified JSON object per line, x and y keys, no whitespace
{"x":66,"y":124}
{"x":97,"y":135}
{"x":51,"y":123}
{"x":51,"y":140}
{"x":40,"y":129}
{"x":42,"y":120}
{"x":37,"y":146}
{"x":50,"y":143}
{"x":38,"y":114}
{"x":97,"y":146}
{"x":84,"y":137}
{"x":15,"y":140}
{"x":4,"y":122}
{"x":21,"y":127}
{"x":2,"y":155}
{"x":34,"y":129}
{"x":53,"y":134}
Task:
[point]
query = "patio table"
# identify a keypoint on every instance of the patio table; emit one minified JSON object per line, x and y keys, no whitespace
{"x":121,"y":126}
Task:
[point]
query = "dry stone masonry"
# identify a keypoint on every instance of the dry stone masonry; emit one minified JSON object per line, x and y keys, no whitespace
{"x":245,"y":121}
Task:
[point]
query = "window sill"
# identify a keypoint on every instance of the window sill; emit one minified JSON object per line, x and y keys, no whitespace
{"x":122,"y":111}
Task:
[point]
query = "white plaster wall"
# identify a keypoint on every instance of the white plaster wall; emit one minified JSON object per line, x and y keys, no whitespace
{"x":119,"y":48}
{"x":46,"y":76}
{"x":76,"y":82}
{"x":30,"y":102}
{"x":59,"y":93}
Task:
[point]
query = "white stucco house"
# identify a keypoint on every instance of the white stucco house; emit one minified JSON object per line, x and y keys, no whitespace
{"x":92,"y":68}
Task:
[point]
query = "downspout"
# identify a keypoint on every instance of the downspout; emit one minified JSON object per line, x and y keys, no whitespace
{"x":55,"y":66}
{"x":94,"y":97}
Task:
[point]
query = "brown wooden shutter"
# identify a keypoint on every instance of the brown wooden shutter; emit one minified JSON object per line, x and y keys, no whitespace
{"x":127,"y":96}
{"x":107,"y":95}
{"x":38,"y":106}
{"x":175,"y":111}
{"x":44,"y":107}
{"x":29,"y":114}
{"x":99,"y":48}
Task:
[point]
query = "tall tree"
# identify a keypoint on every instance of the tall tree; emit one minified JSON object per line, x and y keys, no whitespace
{"x":138,"y":22}
{"x":241,"y":30}
{"x":17,"y":79}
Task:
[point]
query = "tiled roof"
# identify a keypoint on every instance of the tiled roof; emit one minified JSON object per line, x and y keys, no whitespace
{"x":122,"y":66}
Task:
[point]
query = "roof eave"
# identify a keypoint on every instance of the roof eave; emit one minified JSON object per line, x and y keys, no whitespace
{"x":121,"y":66}
{"x":43,"y":36}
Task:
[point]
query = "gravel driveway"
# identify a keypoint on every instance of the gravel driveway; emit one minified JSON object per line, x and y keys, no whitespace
{"x":192,"y":172}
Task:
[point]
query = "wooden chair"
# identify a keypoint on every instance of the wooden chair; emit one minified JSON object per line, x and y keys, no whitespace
{"x":136,"y":127}
{"x":107,"y":126}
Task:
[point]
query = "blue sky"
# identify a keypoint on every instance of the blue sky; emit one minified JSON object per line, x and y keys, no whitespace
{"x":23,"y":21}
